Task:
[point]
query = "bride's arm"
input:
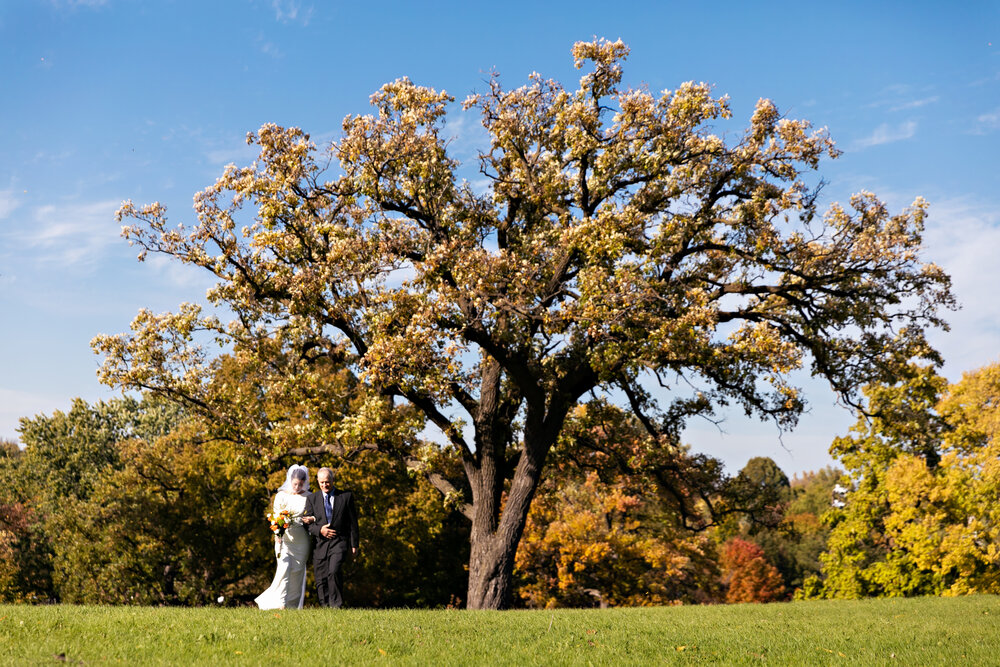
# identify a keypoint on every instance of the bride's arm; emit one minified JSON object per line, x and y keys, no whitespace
{"x":304,"y":517}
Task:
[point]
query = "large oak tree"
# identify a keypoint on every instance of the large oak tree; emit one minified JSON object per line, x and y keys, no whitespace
{"x":618,"y":245}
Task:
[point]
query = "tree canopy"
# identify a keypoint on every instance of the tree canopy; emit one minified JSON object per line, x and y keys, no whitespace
{"x":619,"y":245}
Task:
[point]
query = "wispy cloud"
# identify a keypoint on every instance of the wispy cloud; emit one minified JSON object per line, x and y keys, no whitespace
{"x":288,"y":11}
{"x":73,"y":4}
{"x":185,"y":276}
{"x":236,"y":153}
{"x":987,"y":122}
{"x":50,"y":157}
{"x":985,"y":81}
{"x":915,"y":104}
{"x":902,"y":96}
{"x":962,"y":237}
{"x":68,"y":234}
{"x":887,"y":134}
{"x":465,"y":135}
{"x":271,"y":49}
{"x":8,"y":202}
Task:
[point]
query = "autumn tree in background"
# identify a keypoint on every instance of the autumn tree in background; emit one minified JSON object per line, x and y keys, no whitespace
{"x":761,"y":491}
{"x":759,"y":495}
{"x":921,"y":514}
{"x":748,"y":576}
{"x":179,"y":522}
{"x":963,"y":497}
{"x":780,"y":516}
{"x":618,"y":519}
{"x":620,"y":244}
{"x":64,"y":464}
{"x":25,"y":557}
{"x":861,"y":560}
{"x":802,"y":537}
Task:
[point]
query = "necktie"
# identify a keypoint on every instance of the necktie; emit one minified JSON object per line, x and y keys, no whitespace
{"x":326,"y":506}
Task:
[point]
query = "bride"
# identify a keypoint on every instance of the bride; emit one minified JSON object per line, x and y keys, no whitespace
{"x":288,"y":590}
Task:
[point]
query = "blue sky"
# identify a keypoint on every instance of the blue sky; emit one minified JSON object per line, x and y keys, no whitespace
{"x":105,"y":100}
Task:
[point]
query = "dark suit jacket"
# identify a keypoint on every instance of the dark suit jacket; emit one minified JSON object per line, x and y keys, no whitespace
{"x":345,"y":522}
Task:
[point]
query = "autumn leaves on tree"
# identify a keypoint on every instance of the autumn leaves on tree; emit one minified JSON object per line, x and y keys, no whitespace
{"x":620,"y":247}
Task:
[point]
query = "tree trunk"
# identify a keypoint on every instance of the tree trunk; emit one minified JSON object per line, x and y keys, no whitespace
{"x":492,"y":546}
{"x":498,"y":523}
{"x":491,"y":572}
{"x":495,"y":535}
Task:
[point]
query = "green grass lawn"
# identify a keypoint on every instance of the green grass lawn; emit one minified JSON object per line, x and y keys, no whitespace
{"x":910,"y":632}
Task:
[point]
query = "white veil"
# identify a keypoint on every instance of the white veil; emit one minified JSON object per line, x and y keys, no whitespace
{"x":292,"y":474}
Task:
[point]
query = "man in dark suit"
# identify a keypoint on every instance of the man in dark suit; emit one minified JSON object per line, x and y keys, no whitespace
{"x":335,"y":532}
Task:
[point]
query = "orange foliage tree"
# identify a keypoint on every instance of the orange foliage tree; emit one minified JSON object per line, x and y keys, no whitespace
{"x":612,"y":524}
{"x":748,"y":575}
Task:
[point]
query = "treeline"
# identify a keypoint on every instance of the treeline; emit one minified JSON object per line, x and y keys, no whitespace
{"x":135,"y":502}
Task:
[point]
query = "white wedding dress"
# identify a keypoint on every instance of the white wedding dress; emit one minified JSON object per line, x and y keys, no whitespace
{"x":288,"y":590}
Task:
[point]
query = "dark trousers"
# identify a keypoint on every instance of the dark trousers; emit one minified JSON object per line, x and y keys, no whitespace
{"x":329,"y":583}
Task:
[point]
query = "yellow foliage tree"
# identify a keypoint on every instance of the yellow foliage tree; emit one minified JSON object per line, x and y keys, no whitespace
{"x":922,"y":516}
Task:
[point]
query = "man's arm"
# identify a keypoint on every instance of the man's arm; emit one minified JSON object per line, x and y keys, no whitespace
{"x":313,"y":527}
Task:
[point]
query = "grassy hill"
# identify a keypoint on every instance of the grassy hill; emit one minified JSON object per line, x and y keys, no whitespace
{"x":913,"y":632}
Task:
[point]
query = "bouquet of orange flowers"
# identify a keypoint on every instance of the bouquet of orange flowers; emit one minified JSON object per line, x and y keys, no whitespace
{"x":280,"y":521}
